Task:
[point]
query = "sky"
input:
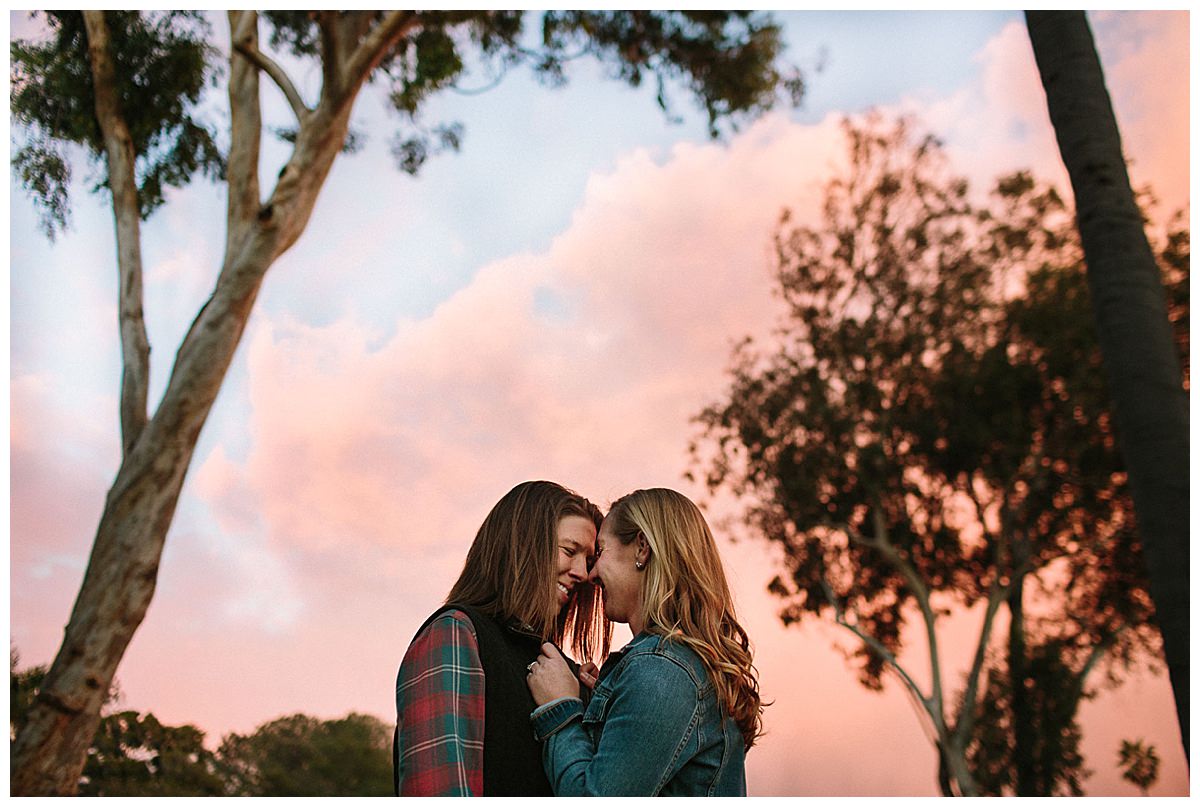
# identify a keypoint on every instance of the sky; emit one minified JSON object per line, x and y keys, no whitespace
{"x":554,"y":302}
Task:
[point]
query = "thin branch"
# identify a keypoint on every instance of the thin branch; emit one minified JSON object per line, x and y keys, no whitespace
{"x":921,"y":592}
{"x":120,"y":156}
{"x":980,"y":510}
{"x":245,"y":46}
{"x":879,"y":648}
{"x":966,"y":720}
{"x":1098,"y":652}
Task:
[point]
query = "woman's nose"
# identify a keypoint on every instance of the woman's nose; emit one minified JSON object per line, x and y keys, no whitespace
{"x":579,"y":569}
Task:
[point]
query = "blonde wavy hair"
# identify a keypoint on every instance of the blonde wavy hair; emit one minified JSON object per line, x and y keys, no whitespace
{"x":685,"y":596}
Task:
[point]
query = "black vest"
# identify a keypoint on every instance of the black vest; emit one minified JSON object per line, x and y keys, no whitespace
{"x":512,"y":757}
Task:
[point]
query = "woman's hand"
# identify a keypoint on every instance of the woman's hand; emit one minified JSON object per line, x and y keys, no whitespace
{"x":588,"y":673}
{"x":550,"y":678}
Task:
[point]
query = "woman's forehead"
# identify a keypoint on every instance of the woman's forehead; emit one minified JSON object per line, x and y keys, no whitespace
{"x":606,"y":531}
{"x":578,"y":530}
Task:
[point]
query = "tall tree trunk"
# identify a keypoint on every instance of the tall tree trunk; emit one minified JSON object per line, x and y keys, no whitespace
{"x":1131,"y":317}
{"x":49,"y":754}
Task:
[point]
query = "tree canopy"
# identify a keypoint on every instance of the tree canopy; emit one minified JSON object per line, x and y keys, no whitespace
{"x":727,"y":60}
{"x":929,"y":430}
{"x":135,"y":754}
{"x":160,"y":75}
{"x":300,"y":755}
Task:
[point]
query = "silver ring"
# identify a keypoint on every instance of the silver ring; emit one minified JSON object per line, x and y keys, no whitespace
{"x":530,"y":666}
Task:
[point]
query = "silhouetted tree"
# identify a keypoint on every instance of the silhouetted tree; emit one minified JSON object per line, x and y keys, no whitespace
{"x":126,"y":86}
{"x":1139,"y":762}
{"x":1150,"y":401}
{"x":924,"y":434}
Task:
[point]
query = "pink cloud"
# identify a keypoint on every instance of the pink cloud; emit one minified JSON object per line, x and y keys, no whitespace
{"x":299,"y":569}
{"x":1145,"y":58}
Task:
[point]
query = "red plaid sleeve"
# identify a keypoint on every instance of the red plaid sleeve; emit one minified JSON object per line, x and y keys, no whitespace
{"x":439,"y":708}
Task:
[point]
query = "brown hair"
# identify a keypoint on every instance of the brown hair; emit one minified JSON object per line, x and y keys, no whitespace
{"x":511,"y":569}
{"x":685,"y":596}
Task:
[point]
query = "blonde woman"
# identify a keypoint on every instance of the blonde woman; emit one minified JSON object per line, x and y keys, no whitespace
{"x":675,"y":711}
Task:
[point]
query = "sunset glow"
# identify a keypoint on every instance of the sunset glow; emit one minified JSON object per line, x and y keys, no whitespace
{"x":556,"y":302}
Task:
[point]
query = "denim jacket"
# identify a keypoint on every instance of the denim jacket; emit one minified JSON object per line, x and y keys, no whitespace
{"x":653,"y":727}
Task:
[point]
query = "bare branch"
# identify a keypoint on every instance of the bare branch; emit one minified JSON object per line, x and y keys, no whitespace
{"x":966,"y":719}
{"x":878,"y":647}
{"x":921,"y":593}
{"x":1098,"y":652}
{"x":246,"y":45}
{"x":119,"y":153}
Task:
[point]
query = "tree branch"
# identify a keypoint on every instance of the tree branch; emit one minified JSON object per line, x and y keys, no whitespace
{"x":373,"y":47}
{"x":246,"y":44}
{"x":980,"y":510}
{"x":921,"y":593}
{"x":118,"y":147}
{"x":966,"y":719}
{"x":245,"y":114}
{"x":887,"y":655}
{"x":331,"y":51}
{"x":1098,"y":652}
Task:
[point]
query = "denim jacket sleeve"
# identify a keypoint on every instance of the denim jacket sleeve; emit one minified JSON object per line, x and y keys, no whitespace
{"x":649,"y":716}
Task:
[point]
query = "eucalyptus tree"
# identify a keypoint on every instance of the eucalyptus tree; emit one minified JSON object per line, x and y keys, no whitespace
{"x":127,"y":88}
{"x":920,"y":436}
{"x":1130,"y":309}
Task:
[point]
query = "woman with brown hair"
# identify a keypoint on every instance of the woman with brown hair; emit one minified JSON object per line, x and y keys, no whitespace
{"x":675,"y":711}
{"x":461,"y":702}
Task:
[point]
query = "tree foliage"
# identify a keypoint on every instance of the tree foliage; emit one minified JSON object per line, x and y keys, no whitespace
{"x":161,"y":62}
{"x":300,"y":755}
{"x":728,"y":60}
{"x":136,"y":755}
{"x":1057,"y":766}
{"x":23,"y":687}
{"x":929,"y":430}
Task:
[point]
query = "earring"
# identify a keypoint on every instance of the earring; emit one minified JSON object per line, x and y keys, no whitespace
{"x":639,"y":564}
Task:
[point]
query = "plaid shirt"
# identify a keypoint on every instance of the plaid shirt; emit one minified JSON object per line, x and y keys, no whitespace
{"x":439,"y":708}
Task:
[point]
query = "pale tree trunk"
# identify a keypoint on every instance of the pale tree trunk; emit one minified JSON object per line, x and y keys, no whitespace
{"x":49,"y":754}
{"x":1131,"y":317}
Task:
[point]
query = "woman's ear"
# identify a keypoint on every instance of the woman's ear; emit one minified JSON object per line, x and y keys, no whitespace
{"x":642,"y":554}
